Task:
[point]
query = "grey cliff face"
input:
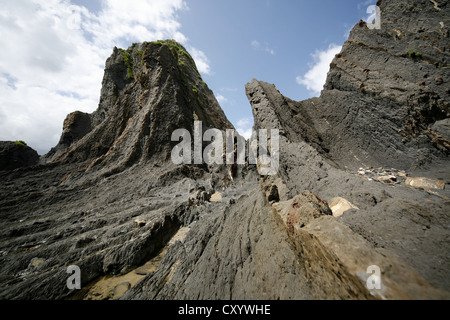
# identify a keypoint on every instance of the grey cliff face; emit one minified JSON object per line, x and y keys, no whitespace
{"x":384,"y":93}
{"x":109,"y":200}
{"x":374,"y":112}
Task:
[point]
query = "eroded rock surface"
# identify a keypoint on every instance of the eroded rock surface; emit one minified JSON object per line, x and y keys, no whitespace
{"x":372,"y":113}
{"x":108,"y":198}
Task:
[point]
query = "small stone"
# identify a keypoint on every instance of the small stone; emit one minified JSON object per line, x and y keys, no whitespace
{"x":216,"y":197}
{"x":145,"y":270}
{"x":121,"y":289}
{"x":439,"y":81}
{"x":36,"y":262}
{"x":387,"y":179}
{"x":421,"y":83}
{"x":339,"y":205}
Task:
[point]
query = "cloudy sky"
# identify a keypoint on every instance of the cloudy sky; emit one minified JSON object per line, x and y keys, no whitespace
{"x":53,"y":52}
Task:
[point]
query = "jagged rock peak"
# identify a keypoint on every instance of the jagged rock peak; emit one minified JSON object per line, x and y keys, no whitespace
{"x":148,"y":91}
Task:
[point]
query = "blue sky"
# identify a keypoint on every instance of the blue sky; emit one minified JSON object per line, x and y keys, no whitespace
{"x":53,"y":51}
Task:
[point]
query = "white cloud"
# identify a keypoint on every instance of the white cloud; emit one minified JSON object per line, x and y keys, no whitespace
{"x":244,"y":127}
{"x":316,"y":77}
{"x":142,"y":19}
{"x":270,"y":51}
{"x":53,"y":55}
{"x":255,"y":44}
{"x":201,"y":60}
{"x":229,"y":89}
{"x":365,"y":4}
{"x":221,"y":99}
{"x":266,"y":47}
{"x":348,"y":29}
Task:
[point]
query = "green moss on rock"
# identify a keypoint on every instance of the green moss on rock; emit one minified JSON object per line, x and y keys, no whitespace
{"x":20,"y":143}
{"x":128,"y":62}
{"x":414,"y":54}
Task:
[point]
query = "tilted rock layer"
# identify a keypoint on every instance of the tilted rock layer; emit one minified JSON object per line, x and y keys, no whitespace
{"x":384,"y":93}
{"x":108,"y":198}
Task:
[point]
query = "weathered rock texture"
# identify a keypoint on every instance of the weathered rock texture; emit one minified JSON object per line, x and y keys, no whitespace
{"x":373,"y":113}
{"x":108,"y":199}
{"x":15,"y":155}
{"x":381,"y":104}
{"x":109,"y":169}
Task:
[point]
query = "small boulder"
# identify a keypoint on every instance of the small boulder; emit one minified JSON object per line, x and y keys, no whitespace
{"x":425,"y":183}
{"x":339,"y":205}
{"x":442,"y":128}
{"x":216,"y":197}
{"x":389,"y":179}
{"x":121,"y":289}
{"x":35,"y":263}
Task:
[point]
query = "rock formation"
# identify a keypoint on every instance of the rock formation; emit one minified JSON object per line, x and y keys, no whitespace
{"x":109,"y":200}
{"x":16,"y":154}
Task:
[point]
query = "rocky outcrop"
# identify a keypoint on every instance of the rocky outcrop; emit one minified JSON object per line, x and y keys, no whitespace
{"x":372,"y":113}
{"x":108,"y":199}
{"x":17,"y":154}
{"x":381,"y":103}
{"x":109,"y":170}
{"x":148,"y":91}
{"x":75,"y":127}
